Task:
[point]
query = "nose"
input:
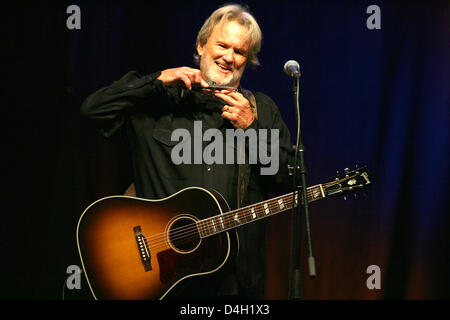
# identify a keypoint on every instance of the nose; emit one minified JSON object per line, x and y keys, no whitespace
{"x":229,"y":56}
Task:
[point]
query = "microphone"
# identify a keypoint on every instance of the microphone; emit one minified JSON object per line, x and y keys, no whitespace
{"x":292,"y":69}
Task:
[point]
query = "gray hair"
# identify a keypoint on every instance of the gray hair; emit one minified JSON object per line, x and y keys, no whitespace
{"x":233,"y":12}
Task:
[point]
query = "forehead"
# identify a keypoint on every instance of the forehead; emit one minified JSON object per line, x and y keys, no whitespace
{"x":232,"y":33}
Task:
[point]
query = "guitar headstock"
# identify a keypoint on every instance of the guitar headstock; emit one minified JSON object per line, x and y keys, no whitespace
{"x":350,"y":182}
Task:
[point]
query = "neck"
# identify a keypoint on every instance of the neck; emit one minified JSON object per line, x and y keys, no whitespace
{"x":248,"y":214}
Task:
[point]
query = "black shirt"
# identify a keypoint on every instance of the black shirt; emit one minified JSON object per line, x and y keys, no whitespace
{"x":146,"y":112}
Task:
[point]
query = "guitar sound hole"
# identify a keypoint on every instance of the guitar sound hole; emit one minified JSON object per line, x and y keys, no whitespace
{"x":183,"y":235}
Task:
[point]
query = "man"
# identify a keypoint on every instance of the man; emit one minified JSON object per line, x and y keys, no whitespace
{"x":147,"y":109}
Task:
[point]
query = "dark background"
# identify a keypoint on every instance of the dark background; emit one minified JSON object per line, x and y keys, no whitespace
{"x":369,"y":97}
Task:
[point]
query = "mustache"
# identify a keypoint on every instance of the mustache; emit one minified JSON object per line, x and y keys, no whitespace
{"x":226,"y":64}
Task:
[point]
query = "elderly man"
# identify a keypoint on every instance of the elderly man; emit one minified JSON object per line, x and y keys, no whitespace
{"x":146,"y":109}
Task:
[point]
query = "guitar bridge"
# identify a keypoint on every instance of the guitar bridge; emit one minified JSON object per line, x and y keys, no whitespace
{"x":144,"y":251}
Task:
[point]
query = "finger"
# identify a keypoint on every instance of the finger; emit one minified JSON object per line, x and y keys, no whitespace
{"x":196,"y":76}
{"x":237,"y":96}
{"x":193,"y":75}
{"x":203,"y":82}
{"x":231,"y":100}
{"x":230,"y":116}
{"x":226,"y":108}
{"x":225,"y":97}
{"x":188,"y":70}
{"x":187,"y":82}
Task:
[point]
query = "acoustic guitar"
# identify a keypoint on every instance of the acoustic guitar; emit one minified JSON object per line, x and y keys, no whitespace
{"x":133,"y":248}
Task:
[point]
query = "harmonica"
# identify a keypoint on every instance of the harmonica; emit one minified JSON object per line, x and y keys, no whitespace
{"x":212,"y":86}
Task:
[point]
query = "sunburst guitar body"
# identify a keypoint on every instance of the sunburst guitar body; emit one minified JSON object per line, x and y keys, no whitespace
{"x":134,"y":248}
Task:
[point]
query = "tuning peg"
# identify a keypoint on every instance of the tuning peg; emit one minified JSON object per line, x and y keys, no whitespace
{"x":347,"y":170}
{"x":345,"y":197}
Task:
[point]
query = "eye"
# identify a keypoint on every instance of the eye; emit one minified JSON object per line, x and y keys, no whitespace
{"x":241,"y":53}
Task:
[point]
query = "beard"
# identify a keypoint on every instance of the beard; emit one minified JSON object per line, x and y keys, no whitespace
{"x":210,"y":69}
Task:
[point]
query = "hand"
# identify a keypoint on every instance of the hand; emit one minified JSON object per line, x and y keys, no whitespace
{"x":237,"y":110}
{"x":182,"y":76}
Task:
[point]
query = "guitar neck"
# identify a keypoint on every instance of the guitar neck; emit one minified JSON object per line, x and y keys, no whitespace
{"x":233,"y":219}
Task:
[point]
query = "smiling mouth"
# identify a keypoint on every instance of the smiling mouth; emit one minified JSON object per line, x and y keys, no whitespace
{"x":223,"y":68}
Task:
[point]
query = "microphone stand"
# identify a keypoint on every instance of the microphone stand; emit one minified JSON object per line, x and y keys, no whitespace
{"x":299,"y":173}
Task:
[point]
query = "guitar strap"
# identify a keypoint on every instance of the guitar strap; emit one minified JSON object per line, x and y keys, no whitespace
{"x":244,"y":169}
{"x":131,"y":191}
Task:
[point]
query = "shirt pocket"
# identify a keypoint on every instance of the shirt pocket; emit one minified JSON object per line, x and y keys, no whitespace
{"x":163,"y":161}
{"x":163,"y":136}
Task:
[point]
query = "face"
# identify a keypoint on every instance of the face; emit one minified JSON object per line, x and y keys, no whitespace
{"x":224,"y":56}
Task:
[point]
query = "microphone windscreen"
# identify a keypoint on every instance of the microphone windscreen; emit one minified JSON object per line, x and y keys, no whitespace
{"x":292,"y":68}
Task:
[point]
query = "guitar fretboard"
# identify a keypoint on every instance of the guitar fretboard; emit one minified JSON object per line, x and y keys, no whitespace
{"x":233,"y":219}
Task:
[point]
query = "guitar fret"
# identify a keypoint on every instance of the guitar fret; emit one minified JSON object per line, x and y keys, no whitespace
{"x":201,"y":226}
{"x":245,"y":215}
{"x":252,"y":210}
{"x":281,"y":203}
{"x":248,"y":214}
{"x":208,"y":227}
{"x":321,"y":191}
{"x":239,"y":217}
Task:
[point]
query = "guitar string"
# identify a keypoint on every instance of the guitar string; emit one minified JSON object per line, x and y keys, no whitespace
{"x":194,"y":236}
{"x":193,"y":230}
{"x":224,"y":216}
{"x":159,"y":245}
{"x":273,"y":203}
{"x":309,"y":192}
{"x":244,"y":214}
{"x":193,"y":233}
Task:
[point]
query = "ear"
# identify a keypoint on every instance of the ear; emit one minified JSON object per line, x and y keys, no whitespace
{"x":200,"y":50}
